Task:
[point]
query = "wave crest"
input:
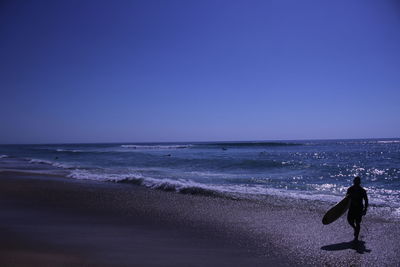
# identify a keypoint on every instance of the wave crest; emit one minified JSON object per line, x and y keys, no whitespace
{"x":156,"y":146}
{"x":389,"y":142}
{"x":52,"y":163}
{"x":252,"y":144}
{"x":169,"y":185}
{"x":69,"y":150}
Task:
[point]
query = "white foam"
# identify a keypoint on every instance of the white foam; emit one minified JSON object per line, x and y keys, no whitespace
{"x":3,"y":156}
{"x":388,"y":142}
{"x":52,"y":163}
{"x":156,"y":146}
{"x":209,"y":174}
{"x":377,"y":171}
{"x":68,"y":150}
{"x":335,"y":188}
{"x":180,"y":185}
{"x":101,"y":176}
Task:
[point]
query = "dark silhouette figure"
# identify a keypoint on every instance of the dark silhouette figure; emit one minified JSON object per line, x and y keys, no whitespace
{"x":357,"y":209}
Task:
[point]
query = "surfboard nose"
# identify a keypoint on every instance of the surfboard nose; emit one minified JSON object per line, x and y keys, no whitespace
{"x":336,"y":211}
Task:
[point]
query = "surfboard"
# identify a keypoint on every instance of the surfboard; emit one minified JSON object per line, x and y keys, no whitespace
{"x":336,"y":211}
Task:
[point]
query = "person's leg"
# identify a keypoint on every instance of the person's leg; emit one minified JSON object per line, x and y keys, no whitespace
{"x":350,"y":219}
{"x":354,"y":219}
{"x":357,"y":227}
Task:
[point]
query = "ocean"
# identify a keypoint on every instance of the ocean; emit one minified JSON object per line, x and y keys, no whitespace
{"x":312,"y":169}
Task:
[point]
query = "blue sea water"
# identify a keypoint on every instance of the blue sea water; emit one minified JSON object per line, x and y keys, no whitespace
{"x":301,"y":169}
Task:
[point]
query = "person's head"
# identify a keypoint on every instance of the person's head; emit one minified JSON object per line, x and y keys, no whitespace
{"x":357,"y":180}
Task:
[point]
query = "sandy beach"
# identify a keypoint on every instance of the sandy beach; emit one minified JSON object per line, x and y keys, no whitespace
{"x":54,"y":221}
{"x":199,"y":133}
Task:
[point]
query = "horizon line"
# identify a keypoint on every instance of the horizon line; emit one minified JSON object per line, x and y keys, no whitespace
{"x":209,"y":141}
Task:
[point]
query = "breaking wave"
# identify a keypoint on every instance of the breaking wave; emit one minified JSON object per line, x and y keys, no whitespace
{"x":186,"y":186}
{"x":250,"y":144}
{"x":181,"y":185}
{"x":156,"y":146}
{"x":389,"y":142}
{"x":52,"y":163}
{"x":69,"y":150}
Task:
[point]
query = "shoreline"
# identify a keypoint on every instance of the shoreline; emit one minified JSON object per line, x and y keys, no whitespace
{"x":177,"y":229}
{"x":44,"y":167}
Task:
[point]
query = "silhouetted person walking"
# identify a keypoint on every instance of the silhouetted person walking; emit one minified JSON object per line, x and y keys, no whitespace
{"x":357,"y":209}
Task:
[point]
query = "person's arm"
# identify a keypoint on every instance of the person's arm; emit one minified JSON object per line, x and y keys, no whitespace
{"x":366,"y":202}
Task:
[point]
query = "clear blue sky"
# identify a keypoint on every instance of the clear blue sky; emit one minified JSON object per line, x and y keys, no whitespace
{"x":119,"y":71}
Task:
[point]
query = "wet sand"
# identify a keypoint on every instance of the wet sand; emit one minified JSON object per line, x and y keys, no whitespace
{"x":56,"y":221}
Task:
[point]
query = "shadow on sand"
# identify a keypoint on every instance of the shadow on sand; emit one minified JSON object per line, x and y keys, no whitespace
{"x":358,"y":246}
